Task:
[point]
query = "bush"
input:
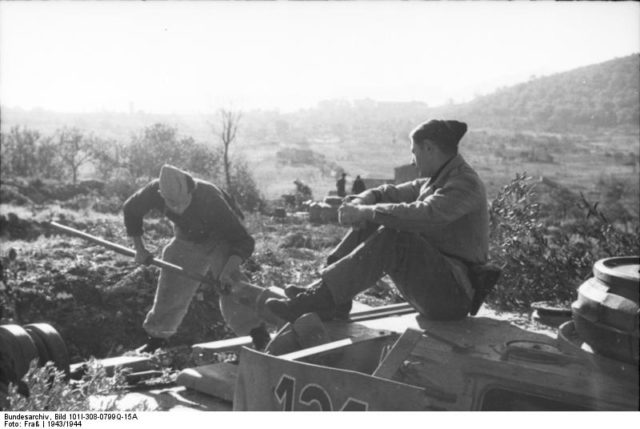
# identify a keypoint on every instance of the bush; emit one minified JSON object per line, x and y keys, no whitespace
{"x":121,"y":184}
{"x":244,"y":188}
{"x":48,"y":391}
{"x":23,"y":152}
{"x":544,"y":258}
{"x":11,"y":195}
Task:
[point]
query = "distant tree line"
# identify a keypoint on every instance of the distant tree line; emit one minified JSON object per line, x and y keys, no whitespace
{"x":123,"y":166}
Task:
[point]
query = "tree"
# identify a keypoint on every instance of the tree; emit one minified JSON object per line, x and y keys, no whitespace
{"x":75,"y":150}
{"x":157,"y":145}
{"x":48,"y":162}
{"x":201,"y":159}
{"x":107,"y":156}
{"x":160,"y":144}
{"x":18,"y":150}
{"x":229,"y":120}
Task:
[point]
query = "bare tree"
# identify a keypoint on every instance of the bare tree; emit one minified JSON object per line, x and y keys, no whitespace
{"x":229,"y":120}
{"x":75,"y":150}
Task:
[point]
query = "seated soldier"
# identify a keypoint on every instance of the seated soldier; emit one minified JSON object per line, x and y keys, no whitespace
{"x":428,"y":235}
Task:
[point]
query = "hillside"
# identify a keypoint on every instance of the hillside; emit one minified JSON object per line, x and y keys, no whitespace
{"x":596,"y":98}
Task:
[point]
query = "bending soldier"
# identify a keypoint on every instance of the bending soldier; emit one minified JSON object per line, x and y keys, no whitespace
{"x":208,"y":236}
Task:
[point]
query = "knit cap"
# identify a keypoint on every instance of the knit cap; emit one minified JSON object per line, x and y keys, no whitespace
{"x":174,"y":186}
{"x":444,"y":131}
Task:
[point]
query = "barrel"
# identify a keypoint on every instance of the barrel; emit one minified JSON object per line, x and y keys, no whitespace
{"x":606,"y":313}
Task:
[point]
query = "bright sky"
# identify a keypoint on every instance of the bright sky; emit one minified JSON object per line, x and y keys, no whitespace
{"x":197,"y":56}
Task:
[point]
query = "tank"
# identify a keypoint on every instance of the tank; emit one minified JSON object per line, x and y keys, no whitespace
{"x":392,"y":359}
{"x":404,"y":362}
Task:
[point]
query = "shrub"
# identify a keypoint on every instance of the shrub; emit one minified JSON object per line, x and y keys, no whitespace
{"x":23,"y":152}
{"x":544,"y":258}
{"x":48,"y":391}
{"x":244,"y":188}
{"x":11,"y":195}
{"x":120,"y":183}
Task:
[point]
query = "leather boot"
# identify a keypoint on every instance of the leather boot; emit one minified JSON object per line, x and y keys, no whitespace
{"x":342,"y":310}
{"x":316,"y":299}
{"x":260,"y":337}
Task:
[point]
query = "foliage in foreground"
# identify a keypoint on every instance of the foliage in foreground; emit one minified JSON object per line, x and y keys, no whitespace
{"x":545,"y":257}
{"x":48,"y":391}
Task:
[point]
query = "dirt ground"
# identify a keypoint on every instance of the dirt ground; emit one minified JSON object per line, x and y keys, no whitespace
{"x":98,"y":299}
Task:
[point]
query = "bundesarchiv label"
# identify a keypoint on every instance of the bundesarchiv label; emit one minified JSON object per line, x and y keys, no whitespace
{"x":26,"y":420}
{"x":62,"y":419}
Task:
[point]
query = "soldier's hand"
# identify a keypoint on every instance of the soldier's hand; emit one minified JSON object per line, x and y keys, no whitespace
{"x":354,"y":215}
{"x":144,"y":257}
{"x":229,"y":273}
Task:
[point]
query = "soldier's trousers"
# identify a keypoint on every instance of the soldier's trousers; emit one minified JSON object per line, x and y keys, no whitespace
{"x":420,"y":272}
{"x":175,"y":292}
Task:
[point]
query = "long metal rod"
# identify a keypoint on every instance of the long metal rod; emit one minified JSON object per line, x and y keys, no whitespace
{"x":130,"y":252}
{"x":386,"y":308}
{"x":380,"y":312}
{"x":373,"y":313}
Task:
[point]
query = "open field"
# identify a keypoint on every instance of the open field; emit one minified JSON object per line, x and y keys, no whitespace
{"x":586,"y":165}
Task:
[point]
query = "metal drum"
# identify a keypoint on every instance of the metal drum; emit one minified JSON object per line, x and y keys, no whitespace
{"x":621,"y":275}
{"x":606,"y":313}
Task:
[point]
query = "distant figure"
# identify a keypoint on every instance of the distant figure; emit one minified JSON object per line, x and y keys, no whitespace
{"x":340,"y":185}
{"x":303,"y":192}
{"x":358,"y":186}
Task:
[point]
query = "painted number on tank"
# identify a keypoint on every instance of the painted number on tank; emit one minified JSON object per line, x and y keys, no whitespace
{"x":311,"y":395}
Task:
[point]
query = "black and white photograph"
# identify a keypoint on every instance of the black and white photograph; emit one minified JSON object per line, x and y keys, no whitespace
{"x":387,"y":206}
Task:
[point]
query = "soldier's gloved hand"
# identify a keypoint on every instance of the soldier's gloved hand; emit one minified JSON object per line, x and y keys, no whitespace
{"x":229,"y":273}
{"x":144,"y":257}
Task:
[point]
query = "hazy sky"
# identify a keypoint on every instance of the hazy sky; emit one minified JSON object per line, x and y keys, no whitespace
{"x":196,"y":56}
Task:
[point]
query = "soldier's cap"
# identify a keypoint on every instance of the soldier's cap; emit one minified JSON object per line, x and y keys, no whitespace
{"x":448,"y":132}
{"x":175,"y":184}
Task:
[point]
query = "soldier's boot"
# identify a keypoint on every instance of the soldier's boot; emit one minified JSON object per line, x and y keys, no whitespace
{"x":260,"y":337}
{"x":342,"y":309}
{"x":315,"y":299}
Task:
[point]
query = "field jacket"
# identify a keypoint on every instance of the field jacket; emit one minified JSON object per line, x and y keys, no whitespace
{"x":212,"y":215}
{"x":450,"y":211}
